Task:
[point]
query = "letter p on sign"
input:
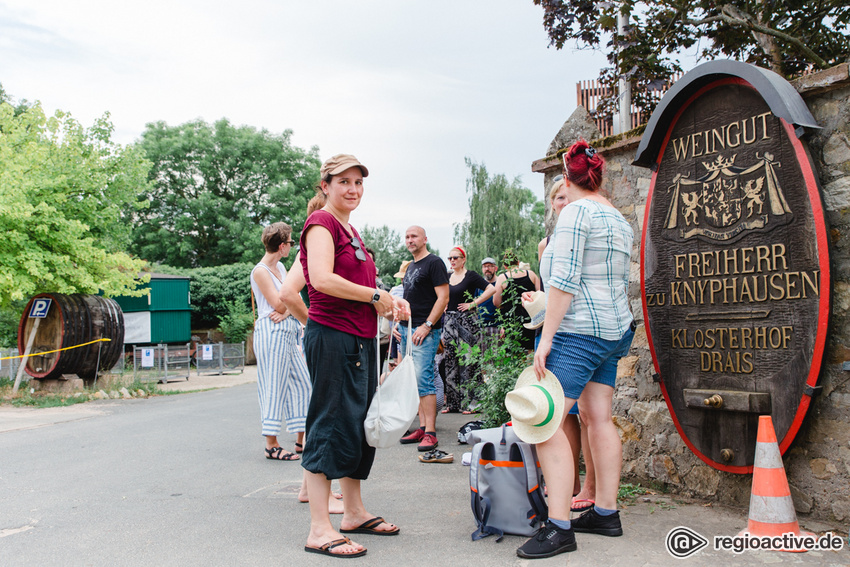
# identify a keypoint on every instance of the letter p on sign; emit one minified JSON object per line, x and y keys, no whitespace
{"x":40,"y":307}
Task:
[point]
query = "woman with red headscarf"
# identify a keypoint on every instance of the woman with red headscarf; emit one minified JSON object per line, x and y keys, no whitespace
{"x":459,"y":327}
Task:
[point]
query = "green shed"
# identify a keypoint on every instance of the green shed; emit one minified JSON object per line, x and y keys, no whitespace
{"x":161,"y":316}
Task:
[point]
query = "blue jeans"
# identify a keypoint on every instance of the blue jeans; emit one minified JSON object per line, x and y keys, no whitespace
{"x":423,"y":359}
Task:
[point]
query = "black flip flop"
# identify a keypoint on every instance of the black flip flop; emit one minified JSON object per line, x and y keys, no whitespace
{"x":368,"y":527}
{"x":275,"y":454}
{"x":326,"y":549}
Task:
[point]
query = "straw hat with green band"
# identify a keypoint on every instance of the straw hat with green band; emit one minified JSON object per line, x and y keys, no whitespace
{"x":536,"y":407}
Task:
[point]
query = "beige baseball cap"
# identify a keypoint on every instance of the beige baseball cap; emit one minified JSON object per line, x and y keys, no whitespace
{"x":339,"y":163}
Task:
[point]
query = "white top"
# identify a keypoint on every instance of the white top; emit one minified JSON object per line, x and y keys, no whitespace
{"x":264,"y":308}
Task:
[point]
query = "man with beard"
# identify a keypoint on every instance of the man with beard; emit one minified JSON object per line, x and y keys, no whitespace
{"x":426,"y":288}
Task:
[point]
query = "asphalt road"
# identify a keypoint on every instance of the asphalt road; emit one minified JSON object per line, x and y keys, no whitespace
{"x":181,"y":480}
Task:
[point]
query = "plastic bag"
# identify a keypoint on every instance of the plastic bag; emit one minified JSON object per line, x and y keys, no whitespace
{"x":395,"y":404}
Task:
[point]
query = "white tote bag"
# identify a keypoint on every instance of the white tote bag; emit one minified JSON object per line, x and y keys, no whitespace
{"x":395,"y":404}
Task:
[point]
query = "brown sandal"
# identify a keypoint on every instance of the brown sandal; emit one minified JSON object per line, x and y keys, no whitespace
{"x":326,"y":549}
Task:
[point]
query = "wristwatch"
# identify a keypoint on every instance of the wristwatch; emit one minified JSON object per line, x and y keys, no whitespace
{"x":376,"y":296}
{"x":428,"y":324}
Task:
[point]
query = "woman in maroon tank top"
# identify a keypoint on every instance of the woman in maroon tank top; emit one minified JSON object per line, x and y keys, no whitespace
{"x":340,"y":348}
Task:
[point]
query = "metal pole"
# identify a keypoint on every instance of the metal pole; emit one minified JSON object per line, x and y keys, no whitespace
{"x":97,"y":368}
{"x":220,"y":358}
{"x":23,"y":363}
{"x":625,"y":85}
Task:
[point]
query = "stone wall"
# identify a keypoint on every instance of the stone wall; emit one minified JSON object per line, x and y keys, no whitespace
{"x":818,"y":462}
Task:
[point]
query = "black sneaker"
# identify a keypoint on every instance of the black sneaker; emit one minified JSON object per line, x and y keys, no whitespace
{"x":550,"y":540}
{"x":591,"y":522}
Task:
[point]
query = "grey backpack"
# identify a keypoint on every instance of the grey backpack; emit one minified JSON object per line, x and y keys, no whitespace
{"x":506,"y":486}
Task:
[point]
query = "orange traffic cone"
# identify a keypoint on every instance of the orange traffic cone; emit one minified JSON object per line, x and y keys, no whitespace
{"x":771,"y":508}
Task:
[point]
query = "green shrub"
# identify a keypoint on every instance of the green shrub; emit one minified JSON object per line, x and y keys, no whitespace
{"x":237,"y":323}
{"x":501,"y":361}
{"x":10,"y":317}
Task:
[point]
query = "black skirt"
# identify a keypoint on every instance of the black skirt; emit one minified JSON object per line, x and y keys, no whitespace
{"x":344,"y":372}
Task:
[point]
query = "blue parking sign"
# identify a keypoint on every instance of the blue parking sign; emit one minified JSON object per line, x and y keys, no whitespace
{"x":40,"y":307}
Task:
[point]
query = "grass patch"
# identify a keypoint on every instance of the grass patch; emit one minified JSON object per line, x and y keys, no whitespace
{"x":662,"y":505}
{"x":629,"y":493}
{"x":25,"y":397}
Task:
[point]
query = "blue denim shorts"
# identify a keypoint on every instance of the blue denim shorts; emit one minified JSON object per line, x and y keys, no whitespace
{"x":578,"y":359}
{"x":423,"y":359}
{"x":574,"y":408}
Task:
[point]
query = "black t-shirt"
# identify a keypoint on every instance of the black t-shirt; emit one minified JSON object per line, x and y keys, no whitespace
{"x":419,"y":283}
{"x":471,"y":282}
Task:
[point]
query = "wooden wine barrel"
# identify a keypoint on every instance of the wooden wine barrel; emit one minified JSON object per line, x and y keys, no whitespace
{"x":73,"y":320}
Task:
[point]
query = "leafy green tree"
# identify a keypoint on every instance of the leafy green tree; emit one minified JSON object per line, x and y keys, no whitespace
{"x":502,"y":214}
{"x":215,"y":186}
{"x":787,"y":36}
{"x":66,"y":195}
{"x":20,"y":106}
{"x":10,"y":317}
{"x":389,"y":248}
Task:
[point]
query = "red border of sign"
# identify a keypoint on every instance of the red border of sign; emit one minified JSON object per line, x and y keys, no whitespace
{"x":823,"y":261}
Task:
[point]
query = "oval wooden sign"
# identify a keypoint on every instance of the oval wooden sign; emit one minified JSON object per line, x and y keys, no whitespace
{"x":734,"y":271}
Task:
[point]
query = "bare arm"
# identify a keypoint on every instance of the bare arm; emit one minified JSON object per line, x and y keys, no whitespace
{"x":264,"y":282}
{"x":540,"y":248}
{"x":501,"y":281}
{"x":290,"y":291}
{"x":423,"y":331}
{"x":441,"y":303}
{"x":320,"y":265}
{"x":485,"y":295}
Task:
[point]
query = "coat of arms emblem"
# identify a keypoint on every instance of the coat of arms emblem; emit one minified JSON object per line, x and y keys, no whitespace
{"x":727,"y":201}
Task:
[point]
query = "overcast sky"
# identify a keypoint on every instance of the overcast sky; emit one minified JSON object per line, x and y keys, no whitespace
{"x":410,"y":88}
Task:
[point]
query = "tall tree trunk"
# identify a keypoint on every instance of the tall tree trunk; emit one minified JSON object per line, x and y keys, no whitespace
{"x":768,"y":42}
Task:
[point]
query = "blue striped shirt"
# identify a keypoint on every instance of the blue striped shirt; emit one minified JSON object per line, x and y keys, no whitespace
{"x":589,"y":256}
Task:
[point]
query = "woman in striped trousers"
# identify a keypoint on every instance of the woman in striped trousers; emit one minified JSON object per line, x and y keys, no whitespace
{"x":283,"y":382}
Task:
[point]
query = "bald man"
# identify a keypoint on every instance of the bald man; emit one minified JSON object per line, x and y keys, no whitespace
{"x":426,"y":288}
